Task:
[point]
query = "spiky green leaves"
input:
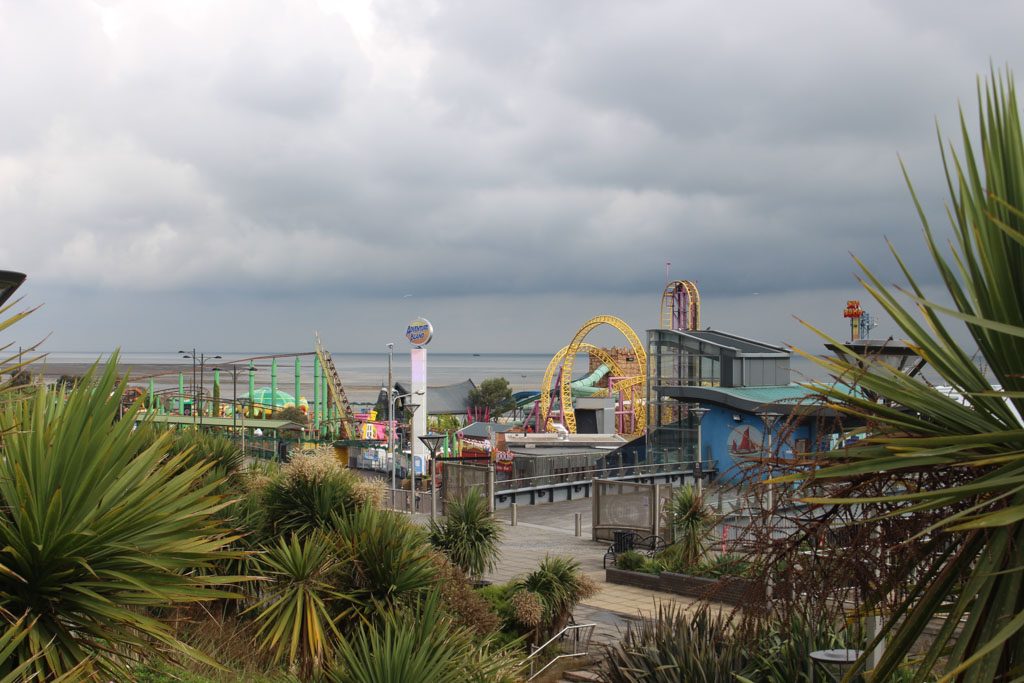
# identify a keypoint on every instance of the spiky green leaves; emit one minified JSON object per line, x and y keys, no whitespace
{"x":97,"y":524}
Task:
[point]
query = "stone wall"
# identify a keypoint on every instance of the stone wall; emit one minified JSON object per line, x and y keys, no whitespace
{"x":626,"y":359}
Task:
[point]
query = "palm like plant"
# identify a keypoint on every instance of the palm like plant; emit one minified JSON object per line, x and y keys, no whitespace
{"x":954,"y":458}
{"x":422,"y":645}
{"x":692,"y":523}
{"x":97,"y":523}
{"x":298,"y":612}
{"x":469,"y":535}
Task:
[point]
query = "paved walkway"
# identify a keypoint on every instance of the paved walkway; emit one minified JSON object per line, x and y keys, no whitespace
{"x":549,"y":530}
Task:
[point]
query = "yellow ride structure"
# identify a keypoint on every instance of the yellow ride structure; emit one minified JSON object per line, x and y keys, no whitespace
{"x":630,"y":387}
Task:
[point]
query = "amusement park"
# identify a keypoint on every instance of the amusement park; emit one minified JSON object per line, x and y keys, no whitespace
{"x":678,"y":404}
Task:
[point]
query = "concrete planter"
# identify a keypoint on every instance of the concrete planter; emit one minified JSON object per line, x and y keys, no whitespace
{"x":730,"y":590}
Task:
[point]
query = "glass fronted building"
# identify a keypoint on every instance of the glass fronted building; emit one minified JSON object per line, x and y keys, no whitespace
{"x":678,"y":362}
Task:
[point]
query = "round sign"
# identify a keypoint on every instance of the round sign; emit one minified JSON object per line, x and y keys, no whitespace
{"x":419,"y":332}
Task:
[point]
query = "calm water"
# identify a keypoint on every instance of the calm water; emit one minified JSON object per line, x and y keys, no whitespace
{"x":363,"y":374}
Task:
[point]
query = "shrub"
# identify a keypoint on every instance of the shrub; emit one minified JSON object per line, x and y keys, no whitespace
{"x":469,"y":535}
{"x":298,"y":610}
{"x":675,"y":646}
{"x":307,"y":494}
{"x":560,"y":586}
{"x":631,"y":561}
{"x":421,"y":644}
{"x":692,"y":522}
{"x":387,"y":560}
{"x":467,"y":607}
{"x":97,"y":523}
{"x":723,"y":565}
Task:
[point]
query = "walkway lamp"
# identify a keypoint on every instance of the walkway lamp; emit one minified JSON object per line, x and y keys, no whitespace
{"x":411,"y":408}
{"x":698,"y":466}
{"x":432,"y":440}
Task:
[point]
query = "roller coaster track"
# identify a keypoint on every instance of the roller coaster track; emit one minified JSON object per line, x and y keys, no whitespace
{"x":567,"y":356}
{"x":347,"y":428}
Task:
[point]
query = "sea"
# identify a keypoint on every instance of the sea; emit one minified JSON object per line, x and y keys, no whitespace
{"x":362,"y":374}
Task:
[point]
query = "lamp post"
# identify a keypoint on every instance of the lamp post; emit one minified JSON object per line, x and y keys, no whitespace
{"x":391,"y":421}
{"x":432,"y":440}
{"x":197,"y":398}
{"x":698,"y":466}
{"x":769,"y":417}
{"x":391,"y":435}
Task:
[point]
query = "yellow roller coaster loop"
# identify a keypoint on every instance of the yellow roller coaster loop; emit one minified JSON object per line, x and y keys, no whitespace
{"x":566,"y":357}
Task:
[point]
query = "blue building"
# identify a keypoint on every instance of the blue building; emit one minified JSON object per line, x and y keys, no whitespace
{"x":736,"y":391}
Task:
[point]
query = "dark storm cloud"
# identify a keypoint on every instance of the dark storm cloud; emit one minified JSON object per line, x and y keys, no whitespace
{"x":511,"y":155}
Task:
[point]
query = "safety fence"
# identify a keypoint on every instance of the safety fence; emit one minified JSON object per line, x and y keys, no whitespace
{"x":628,"y":505}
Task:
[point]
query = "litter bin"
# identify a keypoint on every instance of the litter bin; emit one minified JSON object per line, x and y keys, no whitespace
{"x":622,"y":541}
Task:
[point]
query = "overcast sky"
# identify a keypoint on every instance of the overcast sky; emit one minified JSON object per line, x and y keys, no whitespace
{"x":236,"y":175}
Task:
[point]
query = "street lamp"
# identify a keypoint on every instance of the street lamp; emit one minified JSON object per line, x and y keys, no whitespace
{"x":197,"y":398}
{"x":391,"y":435}
{"x":698,"y":467}
{"x":769,"y":417}
{"x":432,"y":440}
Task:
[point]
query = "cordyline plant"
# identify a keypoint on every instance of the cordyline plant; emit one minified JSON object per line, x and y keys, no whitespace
{"x":942,"y":470}
{"x":98,"y":524}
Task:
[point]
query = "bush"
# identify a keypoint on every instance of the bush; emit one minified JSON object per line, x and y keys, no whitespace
{"x":387,"y":560}
{"x":560,"y":586}
{"x":98,"y":523}
{"x":421,"y":644}
{"x":308,"y":493}
{"x":630,"y":561}
{"x":676,"y":646}
{"x":692,"y":522}
{"x":466,"y":606}
{"x":723,"y":565}
{"x":469,"y":535}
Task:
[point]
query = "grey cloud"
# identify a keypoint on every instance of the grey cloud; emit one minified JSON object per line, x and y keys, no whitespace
{"x":520,"y":152}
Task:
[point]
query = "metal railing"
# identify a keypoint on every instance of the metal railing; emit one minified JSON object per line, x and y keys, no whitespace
{"x":577,"y":636}
{"x":403,"y":500}
{"x":584,"y":476}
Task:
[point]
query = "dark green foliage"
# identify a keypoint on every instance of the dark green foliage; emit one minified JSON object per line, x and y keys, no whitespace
{"x":300,"y":604}
{"x":386,"y":559}
{"x":297,"y":503}
{"x":692,"y":522}
{"x":468,"y":535}
{"x":97,"y":523}
{"x":631,"y":561}
{"x":493,"y":393}
{"x":421,"y":644}
{"x":723,"y":565}
{"x":292,"y":414}
{"x":560,"y":586}
{"x":711,"y":647}
{"x":676,"y":646}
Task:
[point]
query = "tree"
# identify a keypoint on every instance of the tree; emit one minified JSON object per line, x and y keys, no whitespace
{"x":493,"y":394}
{"x":99,"y":522}
{"x":948,"y":464}
{"x":292,"y":414}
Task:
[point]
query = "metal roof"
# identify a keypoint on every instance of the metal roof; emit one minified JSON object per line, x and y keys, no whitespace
{"x":484,"y":430}
{"x":451,"y":399}
{"x":786,"y":398}
{"x":742,"y":345}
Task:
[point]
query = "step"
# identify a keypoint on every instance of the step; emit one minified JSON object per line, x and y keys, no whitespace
{"x":581,"y":676}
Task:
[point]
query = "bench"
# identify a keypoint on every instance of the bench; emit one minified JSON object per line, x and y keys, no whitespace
{"x":627,"y":540}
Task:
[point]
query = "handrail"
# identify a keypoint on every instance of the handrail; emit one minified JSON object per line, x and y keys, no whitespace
{"x":583,"y":633}
{"x":650,"y":469}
